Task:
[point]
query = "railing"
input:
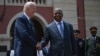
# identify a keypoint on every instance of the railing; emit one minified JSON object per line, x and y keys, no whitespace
{"x":22,"y":2}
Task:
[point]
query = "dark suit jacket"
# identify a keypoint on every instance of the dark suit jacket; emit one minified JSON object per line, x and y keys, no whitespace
{"x":93,"y":46}
{"x":59,"y":46}
{"x":24,"y":38}
{"x":81,"y":46}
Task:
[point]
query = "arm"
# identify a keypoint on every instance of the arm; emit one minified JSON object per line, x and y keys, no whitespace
{"x":46,"y":37}
{"x":44,"y":41}
{"x":22,"y":32}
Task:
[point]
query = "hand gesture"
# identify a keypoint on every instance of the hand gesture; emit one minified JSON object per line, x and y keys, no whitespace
{"x":39,"y":46}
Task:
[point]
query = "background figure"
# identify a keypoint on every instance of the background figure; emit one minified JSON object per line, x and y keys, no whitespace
{"x":93,"y":43}
{"x":24,"y":32}
{"x":80,"y":43}
{"x":60,"y":35}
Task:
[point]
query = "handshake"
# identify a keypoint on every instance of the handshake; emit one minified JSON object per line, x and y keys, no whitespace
{"x":39,"y":46}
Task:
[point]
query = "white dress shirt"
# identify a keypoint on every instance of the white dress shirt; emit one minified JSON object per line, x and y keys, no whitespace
{"x":27,"y":16}
{"x":58,"y":25}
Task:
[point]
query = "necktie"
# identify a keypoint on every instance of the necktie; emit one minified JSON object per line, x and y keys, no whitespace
{"x":61,"y":29}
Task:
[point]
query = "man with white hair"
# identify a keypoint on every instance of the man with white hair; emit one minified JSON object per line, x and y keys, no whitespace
{"x":60,"y":35}
{"x":24,"y":32}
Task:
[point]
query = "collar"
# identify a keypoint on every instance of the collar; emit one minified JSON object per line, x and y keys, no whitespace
{"x":26,"y":16}
{"x":58,"y":22}
{"x":94,"y":38}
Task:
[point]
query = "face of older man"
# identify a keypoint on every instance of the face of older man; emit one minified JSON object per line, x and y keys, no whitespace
{"x":58,"y":15}
{"x":31,"y":11}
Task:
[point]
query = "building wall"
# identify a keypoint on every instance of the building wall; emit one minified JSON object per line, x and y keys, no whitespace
{"x":92,"y":15}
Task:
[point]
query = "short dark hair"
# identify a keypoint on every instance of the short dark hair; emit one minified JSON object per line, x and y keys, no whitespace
{"x":77,"y":31}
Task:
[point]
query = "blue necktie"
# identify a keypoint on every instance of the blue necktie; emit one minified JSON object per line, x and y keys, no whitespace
{"x":61,"y":29}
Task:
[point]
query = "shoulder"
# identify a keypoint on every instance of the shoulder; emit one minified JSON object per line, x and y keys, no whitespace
{"x":86,"y":38}
{"x":66,"y":23}
{"x":89,"y":39}
{"x":21,"y":18}
{"x":98,"y":37}
{"x":51,"y":24}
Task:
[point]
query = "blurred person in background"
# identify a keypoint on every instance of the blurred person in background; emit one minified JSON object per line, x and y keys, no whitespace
{"x":80,"y":43}
{"x":93,"y":43}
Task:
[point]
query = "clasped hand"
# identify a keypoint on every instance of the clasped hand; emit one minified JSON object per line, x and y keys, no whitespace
{"x":39,"y":46}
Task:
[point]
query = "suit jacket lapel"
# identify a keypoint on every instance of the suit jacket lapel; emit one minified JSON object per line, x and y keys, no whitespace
{"x":66,"y":30}
{"x":30,"y":26}
{"x":56,"y":30}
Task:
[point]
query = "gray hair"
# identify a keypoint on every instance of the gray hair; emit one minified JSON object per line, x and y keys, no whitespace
{"x":28,"y":5}
{"x":58,"y":9}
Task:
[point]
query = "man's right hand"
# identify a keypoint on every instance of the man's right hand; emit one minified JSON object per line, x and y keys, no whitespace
{"x":39,"y":46}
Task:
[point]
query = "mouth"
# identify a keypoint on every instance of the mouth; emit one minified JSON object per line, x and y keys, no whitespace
{"x":58,"y":17}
